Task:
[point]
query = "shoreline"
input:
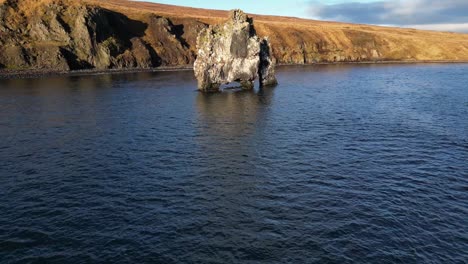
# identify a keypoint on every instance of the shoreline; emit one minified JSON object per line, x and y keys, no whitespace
{"x":378,"y":62}
{"x":31,"y":74}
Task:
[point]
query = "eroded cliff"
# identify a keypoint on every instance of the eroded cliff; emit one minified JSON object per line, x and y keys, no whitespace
{"x":66,"y":35}
{"x":116,"y":34}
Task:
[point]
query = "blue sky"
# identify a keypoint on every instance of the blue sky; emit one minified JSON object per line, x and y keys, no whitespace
{"x":444,"y":15}
{"x":297,"y":8}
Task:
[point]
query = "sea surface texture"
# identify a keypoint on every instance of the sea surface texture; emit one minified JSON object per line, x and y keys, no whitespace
{"x":337,"y":164}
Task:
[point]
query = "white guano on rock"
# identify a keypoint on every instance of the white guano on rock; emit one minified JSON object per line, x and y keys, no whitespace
{"x":232,"y":52}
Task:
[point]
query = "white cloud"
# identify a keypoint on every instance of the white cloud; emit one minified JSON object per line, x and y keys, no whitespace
{"x":447,"y":15}
{"x":462,"y":27}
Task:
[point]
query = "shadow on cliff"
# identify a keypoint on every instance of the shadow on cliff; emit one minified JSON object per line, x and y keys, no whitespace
{"x":73,"y":61}
{"x":178,"y":31}
{"x":117,"y":33}
{"x":171,"y":39}
{"x":124,"y":29}
{"x":112,"y":24}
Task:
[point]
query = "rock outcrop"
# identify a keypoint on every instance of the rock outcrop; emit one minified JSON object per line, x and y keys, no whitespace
{"x":232,"y":52}
{"x":266,"y":70}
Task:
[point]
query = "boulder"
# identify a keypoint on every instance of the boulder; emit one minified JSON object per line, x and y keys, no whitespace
{"x":232,"y":52}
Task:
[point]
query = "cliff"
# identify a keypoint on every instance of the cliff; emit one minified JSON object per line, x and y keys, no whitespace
{"x":115,"y":34}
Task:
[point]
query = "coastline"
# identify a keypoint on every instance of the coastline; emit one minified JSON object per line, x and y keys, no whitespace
{"x":31,"y":74}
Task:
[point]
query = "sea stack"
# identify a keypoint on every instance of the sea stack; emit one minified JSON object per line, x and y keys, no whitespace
{"x":232,"y":52}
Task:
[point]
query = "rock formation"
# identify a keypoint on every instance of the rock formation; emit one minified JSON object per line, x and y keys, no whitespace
{"x":266,"y":70}
{"x":232,"y":52}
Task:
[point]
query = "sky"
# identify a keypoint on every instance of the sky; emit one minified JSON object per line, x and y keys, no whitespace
{"x":443,"y":15}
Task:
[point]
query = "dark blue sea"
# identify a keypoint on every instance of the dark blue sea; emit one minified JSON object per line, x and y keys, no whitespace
{"x":337,"y":164}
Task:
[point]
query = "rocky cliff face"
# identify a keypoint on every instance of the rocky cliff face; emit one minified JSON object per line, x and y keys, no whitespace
{"x":63,"y":35}
{"x":232,"y":52}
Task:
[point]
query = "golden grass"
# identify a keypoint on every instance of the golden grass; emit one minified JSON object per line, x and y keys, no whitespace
{"x":299,"y":38}
{"x":302,"y":40}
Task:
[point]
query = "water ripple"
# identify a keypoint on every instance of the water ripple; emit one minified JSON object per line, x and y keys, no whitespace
{"x":338,"y":164}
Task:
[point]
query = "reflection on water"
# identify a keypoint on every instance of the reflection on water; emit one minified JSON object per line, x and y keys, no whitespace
{"x":338,"y":164}
{"x":228,"y":124}
{"x":234,"y":113}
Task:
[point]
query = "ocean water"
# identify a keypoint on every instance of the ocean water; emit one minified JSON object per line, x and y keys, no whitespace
{"x":337,"y":164}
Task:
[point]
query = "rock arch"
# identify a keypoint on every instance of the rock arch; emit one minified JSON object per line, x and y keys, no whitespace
{"x":232,"y":52}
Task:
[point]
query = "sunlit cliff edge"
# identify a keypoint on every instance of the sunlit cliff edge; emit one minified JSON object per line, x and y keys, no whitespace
{"x":62,"y":35}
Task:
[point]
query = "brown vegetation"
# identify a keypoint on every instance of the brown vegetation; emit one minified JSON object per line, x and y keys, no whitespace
{"x":298,"y":40}
{"x":127,"y":34}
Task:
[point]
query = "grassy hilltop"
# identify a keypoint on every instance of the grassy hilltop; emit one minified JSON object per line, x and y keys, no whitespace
{"x":94,"y":34}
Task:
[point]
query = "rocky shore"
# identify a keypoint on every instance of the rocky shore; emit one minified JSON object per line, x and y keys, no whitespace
{"x":28,"y":74}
